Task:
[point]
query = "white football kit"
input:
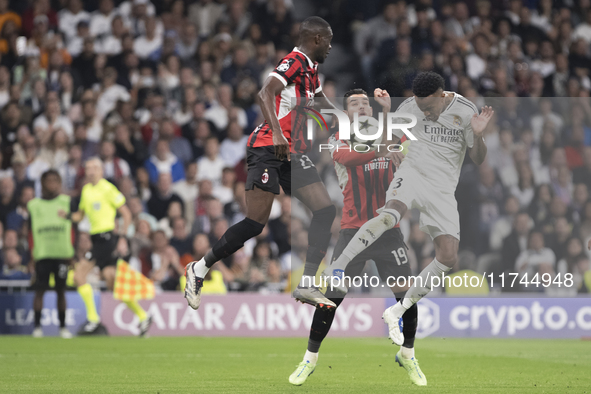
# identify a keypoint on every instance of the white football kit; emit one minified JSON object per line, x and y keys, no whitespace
{"x":429,"y":173}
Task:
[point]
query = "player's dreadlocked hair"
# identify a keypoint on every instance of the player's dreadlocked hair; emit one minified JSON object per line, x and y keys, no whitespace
{"x":351,"y":93}
{"x":427,"y":83}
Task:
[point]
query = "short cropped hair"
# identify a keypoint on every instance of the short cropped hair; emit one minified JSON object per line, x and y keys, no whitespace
{"x":351,"y":93}
{"x":427,"y":83}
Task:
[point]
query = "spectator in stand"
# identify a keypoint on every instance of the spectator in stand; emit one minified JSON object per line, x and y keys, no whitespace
{"x":211,"y":165}
{"x":537,"y":258}
{"x":180,"y":239}
{"x":100,"y":20}
{"x":162,"y":197}
{"x":174,"y":211}
{"x":503,"y":226}
{"x":583,"y":174}
{"x":515,"y":243}
{"x":163,"y":161}
{"x":13,"y":268}
{"x":178,"y":145}
{"x":129,"y":148}
{"x":188,"y":191}
{"x":8,"y":202}
{"x":165,"y":268}
{"x":17,"y":219}
{"x":233,"y":148}
{"x":114,"y":167}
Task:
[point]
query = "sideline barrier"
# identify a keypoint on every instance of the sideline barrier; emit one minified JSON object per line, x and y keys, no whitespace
{"x":255,"y":315}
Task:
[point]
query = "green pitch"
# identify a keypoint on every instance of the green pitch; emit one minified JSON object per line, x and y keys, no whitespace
{"x":239,"y":365}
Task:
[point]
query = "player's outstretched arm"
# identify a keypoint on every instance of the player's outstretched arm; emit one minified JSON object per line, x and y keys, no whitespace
{"x":323,"y":102}
{"x":75,"y":217}
{"x":479,"y":123}
{"x":271,"y":88}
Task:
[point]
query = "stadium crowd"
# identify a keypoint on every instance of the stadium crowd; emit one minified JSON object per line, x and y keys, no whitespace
{"x":164,"y":92}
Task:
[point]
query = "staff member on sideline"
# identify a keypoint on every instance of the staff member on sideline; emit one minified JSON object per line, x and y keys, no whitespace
{"x":100,"y":201}
{"x":52,"y":246}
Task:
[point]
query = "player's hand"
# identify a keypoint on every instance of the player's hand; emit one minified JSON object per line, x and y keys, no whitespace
{"x":479,"y":122}
{"x":281,"y":145}
{"x":396,"y":157}
{"x":122,"y":247}
{"x":383,"y":98}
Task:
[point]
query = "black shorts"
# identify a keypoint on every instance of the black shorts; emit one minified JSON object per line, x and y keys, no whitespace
{"x":388,"y":252}
{"x":104,"y":249}
{"x":44,"y":268}
{"x":267,"y":172}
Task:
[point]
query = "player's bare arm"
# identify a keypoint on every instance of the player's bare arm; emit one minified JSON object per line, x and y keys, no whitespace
{"x":271,"y":88}
{"x":75,"y":217}
{"x":479,"y":123}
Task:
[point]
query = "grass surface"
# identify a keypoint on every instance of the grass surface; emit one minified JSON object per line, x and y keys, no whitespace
{"x":239,"y":365}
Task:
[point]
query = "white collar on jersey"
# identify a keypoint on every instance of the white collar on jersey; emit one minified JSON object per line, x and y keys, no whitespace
{"x":310,"y":62}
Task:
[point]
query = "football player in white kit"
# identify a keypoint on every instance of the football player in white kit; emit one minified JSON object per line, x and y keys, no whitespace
{"x":447,"y":125}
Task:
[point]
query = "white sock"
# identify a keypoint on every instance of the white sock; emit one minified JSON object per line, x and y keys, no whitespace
{"x":421,"y":288}
{"x":407,"y":353}
{"x":367,"y":235}
{"x":312,"y":358}
{"x":200,"y":268}
{"x":306,"y":281}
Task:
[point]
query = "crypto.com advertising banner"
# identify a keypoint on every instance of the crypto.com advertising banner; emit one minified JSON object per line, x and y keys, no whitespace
{"x":497,"y":188}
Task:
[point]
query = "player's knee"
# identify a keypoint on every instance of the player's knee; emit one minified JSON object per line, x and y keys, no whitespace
{"x":325,"y":216}
{"x":389,"y":217}
{"x":251,"y":228}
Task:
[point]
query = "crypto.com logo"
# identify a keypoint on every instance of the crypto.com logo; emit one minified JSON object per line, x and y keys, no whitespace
{"x":392,"y":123}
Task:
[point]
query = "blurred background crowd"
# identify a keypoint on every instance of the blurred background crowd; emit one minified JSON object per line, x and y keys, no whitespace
{"x":165,"y":93}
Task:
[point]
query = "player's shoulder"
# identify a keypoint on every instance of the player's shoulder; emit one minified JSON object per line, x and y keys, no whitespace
{"x":464,"y":107}
{"x":33,"y":202}
{"x":293,"y":60}
{"x":407,"y":104}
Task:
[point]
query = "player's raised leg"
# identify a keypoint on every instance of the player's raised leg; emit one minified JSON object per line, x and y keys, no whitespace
{"x":316,"y":198}
{"x":446,"y":255}
{"x":258,"y":208}
{"x":370,"y":232}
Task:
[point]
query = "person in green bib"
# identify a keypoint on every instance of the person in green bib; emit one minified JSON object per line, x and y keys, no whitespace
{"x":100,"y":201}
{"x":52,"y":246}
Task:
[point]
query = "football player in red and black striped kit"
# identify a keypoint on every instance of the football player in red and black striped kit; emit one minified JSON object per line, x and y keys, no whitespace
{"x":364,"y":179}
{"x":275,"y":155}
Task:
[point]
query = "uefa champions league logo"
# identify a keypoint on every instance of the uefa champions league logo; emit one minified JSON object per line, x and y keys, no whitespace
{"x":428,"y":319}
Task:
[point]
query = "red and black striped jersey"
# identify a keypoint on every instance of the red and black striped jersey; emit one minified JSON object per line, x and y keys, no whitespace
{"x":364,"y":180}
{"x":299,"y":76}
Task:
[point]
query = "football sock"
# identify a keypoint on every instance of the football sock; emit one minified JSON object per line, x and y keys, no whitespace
{"x":367,"y":235}
{"x":62,"y":318}
{"x":87,"y":295}
{"x":232,"y":240}
{"x":422,"y":284}
{"x":406,"y":352}
{"x":409,"y":324}
{"x":318,"y":238}
{"x":311,"y":357}
{"x":201,"y":268}
{"x":137,"y":309}
{"x":321,"y":323}
{"x":37,"y":318}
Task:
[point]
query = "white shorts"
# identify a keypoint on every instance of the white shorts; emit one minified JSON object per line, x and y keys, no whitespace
{"x":438,"y":211}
